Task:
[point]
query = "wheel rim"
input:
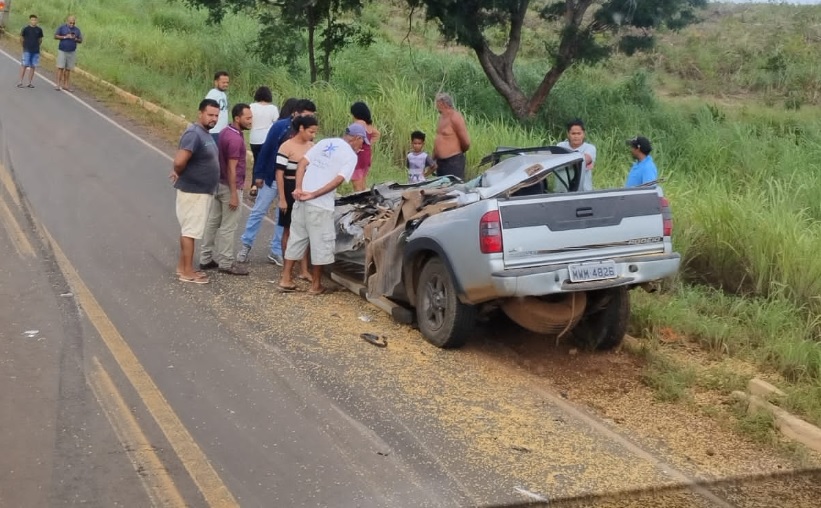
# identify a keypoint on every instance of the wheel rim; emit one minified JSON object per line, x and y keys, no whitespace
{"x":434,"y":302}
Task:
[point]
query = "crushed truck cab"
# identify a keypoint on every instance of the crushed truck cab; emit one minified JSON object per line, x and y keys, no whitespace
{"x":517,"y":238}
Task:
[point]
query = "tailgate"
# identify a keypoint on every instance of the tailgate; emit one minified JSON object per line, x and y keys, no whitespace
{"x":562,"y":228}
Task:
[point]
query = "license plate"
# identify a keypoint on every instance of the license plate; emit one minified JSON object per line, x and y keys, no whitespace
{"x":584,"y":272}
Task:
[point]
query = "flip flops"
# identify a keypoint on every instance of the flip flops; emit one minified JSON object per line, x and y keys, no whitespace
{"x":195,"y":280}
{"x":322,"y":291}
{"x":285,"y":289}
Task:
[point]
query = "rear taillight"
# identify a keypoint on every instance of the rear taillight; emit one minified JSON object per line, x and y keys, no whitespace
{"x":490,"y":233}
{"x":667,"y":216}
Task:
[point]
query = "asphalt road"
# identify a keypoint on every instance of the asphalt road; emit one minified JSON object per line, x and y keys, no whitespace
{"x":273,"y":438}
{"x":138,"y":390}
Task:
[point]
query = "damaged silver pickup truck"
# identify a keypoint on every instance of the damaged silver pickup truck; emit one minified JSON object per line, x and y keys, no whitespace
{"x":519,"y":238}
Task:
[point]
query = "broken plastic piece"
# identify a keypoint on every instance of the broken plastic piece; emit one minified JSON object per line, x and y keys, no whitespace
{"x":375,"y":339}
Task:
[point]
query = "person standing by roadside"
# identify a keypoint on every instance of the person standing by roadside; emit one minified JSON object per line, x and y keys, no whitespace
{"x":576,"y":142}
{"x":265,"y":114}
{"x":31,"y":37}
{"x":290,"y":153}
{"x":218,"y":93}
{"x":362,"y":115}
{"x":225,"y":212}
{"x":452,"y":139}
{"x":321,"y":170}
{"x":644,"y":169}
{"x":195,"y":175}
{"x":265,"y":180}
{"x":69,"y":36}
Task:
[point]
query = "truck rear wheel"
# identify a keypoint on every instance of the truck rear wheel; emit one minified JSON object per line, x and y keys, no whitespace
{"x":443,"y":320}
{"x":605,"y":323}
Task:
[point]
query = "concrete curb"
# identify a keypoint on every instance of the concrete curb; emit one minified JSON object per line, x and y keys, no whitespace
{"x":126,"y":96}
{"x":788,"y":424}
{"x":139,"y":101}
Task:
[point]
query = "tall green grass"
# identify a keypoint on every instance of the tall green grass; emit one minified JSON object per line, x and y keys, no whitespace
{"x":743,"y":177}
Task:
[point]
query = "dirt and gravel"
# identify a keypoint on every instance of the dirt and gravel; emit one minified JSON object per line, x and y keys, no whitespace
{"x":525,"y":415}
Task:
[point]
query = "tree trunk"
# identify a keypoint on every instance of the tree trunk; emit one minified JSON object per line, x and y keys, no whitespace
{"x":536,"y":101}
{"x":499,"y":68}
{"x":504,"y":82}
{"x":311,"y":50}
{"x":326,"y":47}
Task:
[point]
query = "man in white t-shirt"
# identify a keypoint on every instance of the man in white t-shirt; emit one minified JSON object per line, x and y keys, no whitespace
{"x":324,"y":167}
{"x":217,"y":93}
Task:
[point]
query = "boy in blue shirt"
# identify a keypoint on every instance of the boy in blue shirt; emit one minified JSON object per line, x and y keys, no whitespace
{"x":644,"y":169}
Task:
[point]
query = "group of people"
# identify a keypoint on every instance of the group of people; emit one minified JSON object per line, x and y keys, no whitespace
{"x":290,"y":170}
{"x":31,"y":39}
{"x":299,"y":176}
{"x":641,"y":172}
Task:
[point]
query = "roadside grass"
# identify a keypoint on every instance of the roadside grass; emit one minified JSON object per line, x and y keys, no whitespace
{"x":742,"y":175}
{"x":769,"y":333}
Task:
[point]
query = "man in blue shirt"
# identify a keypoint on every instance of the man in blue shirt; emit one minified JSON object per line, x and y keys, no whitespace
{"x":265,"y":180}
{"x":69,"y":36}
{"x":644,"y":169}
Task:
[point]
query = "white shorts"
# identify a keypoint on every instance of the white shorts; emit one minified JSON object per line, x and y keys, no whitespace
{"x":315,"y":226}
{"x":192,"y":213}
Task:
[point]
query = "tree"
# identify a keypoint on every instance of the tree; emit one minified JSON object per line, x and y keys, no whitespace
{"x":284,"y":22}
{"x":589,"y":31}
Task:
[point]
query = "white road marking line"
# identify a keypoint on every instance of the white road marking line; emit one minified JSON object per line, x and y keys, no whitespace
{"x":117,"y":125}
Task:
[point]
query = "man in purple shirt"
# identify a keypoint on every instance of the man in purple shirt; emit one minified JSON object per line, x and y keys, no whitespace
{"x":223,"y":218}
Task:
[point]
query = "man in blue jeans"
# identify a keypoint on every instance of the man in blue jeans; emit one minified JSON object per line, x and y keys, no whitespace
{"x":264,"y":178}
{"x":31,"y":37}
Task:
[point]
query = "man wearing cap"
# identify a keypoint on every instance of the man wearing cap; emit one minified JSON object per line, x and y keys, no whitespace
{"x":644,"y":169}
{"x":322,"y":169}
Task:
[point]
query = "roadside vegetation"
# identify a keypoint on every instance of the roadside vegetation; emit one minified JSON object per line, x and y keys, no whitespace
{"x":731,"y":104}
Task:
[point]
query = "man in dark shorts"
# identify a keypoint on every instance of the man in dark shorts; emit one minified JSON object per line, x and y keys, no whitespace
{"x":31,"y":37}
{"x":195,"y":176}
{"x":452,"y":139}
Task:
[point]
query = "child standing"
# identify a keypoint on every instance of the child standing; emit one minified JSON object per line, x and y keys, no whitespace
{"x":419,"y":163}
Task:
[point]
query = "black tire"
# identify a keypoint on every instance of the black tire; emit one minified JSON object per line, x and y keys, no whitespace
{"x":605,"y":323}
{"x":443,"y":320}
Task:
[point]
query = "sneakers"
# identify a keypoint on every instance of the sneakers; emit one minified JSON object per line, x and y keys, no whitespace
{"x":275,"y":259}
{"x":209,"y":265}
{"x":234,"y":269}
{"x":242,"y":255}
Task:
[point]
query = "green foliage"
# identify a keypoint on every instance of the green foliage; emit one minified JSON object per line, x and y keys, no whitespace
{"x":284,"y":24}
{"x":742,"y":178}
{"x":768,"y":50}
{"x":670,"y":380}
{"x":588,"y":33}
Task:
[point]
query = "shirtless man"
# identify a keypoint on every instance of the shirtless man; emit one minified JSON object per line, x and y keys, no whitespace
{"x":452,"y":140}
